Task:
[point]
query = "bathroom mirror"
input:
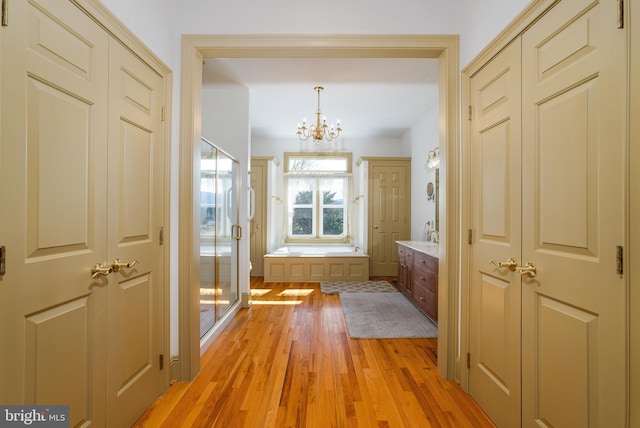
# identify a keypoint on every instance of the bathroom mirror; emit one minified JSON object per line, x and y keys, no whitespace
{"x":436,"y":192}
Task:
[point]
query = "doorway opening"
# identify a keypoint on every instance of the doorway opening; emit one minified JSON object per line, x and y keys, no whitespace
{"x":196,"y":48}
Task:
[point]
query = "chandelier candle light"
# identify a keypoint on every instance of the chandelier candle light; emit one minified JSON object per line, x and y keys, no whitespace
{"x":320,"y":130}
{"x":433,"y":158}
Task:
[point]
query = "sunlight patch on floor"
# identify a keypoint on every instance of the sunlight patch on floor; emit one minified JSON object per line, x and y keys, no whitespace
{"x":260,"y":291}
{"x":296,"y":292}
{"x":210,"y":291}
{"x":276,"y":302}
{"x":213,"y":302}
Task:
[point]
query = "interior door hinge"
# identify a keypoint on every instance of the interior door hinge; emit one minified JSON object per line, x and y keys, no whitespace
{"x":468,"y":360}
{"x":161,"y":361}
{"x":5,"y":13}
{"x":619,"y":263}
{"x":470,"y":113}
{"x":161,"y":236}
{"x":620,"y":13}
{"x":470,"y":236}
{"x":162,"y":114}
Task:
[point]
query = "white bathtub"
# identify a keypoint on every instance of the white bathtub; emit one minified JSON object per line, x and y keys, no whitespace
{"x":332,"y":250}
{"x":308,"y":263}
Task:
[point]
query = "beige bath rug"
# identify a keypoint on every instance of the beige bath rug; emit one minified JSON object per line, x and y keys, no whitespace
{"x":337,"y":287}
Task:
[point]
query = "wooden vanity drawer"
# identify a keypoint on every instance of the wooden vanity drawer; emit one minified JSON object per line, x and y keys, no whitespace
{"x":422,"y":260}
{"x":426,"y":300}
{"x":425,"y":275}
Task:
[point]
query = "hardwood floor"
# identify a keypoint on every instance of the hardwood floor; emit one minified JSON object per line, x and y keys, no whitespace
{"x":288,"y":361}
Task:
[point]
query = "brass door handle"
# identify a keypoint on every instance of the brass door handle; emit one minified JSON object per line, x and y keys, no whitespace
{"x":510,"y":263}
{"x":376,"y":227}
{"x":117,"y":265}
{"x":528,"y":269}
{"x":99,"y":270}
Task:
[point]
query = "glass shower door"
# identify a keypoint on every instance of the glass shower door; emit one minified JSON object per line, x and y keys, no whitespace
{"x":227,"y":242}
{"x":219,"y":234}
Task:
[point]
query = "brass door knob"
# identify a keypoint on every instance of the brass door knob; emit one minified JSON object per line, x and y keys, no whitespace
{"x":527,"y":270}
{"x":510,"y":263}
{"x":99,"y":270}
{"x":117,"y":265}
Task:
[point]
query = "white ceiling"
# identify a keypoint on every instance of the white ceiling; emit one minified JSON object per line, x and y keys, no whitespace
{"x":372,"y":97}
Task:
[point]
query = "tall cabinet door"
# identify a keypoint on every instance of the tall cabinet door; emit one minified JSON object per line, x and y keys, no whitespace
{"x":134,"y":220}
{"x":389,"y":213}
{"x":494,"y":377}
{"x":258,"y":224}
{"x":81,"y":160}
{"x":574,"y":309}
{"x":572,"y":197}
{"x":53,"y":152}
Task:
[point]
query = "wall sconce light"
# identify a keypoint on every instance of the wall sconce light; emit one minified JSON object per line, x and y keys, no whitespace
{"x":433,"y":158}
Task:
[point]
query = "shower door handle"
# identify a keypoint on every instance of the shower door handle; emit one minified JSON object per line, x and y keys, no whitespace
{"x":236,"y":232}
{"x":252,"y":203}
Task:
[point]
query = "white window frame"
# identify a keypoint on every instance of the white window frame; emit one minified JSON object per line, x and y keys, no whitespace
{"x":315,"y":177}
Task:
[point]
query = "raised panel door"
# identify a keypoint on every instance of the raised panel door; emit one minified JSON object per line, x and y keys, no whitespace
{"x":53,"y":184}
{"x":494,"y":376}
{"x":390,"y":214}
{"x":574,"y":309}
{"x":258,"y":237}
{"x":135,"y":201}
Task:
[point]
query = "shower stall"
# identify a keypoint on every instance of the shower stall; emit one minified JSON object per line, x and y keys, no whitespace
{"x":219,"y":234}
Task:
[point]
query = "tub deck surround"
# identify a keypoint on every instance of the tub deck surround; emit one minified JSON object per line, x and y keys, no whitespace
{"x":324,"y":262}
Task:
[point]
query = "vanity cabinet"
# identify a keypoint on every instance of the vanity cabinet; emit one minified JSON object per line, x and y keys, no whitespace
{"x":418,"y":275}
{"x":405,"y":266}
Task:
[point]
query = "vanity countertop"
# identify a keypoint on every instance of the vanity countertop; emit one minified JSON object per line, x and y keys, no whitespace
{"x":426,"y":247}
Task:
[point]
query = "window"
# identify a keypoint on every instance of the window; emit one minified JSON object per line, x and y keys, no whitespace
{"x":317,"y":196}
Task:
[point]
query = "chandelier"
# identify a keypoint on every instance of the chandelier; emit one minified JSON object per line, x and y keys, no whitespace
{"x":320,"y":130}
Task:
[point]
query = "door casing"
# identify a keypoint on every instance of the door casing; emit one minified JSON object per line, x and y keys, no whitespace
{"x":443,"y":47}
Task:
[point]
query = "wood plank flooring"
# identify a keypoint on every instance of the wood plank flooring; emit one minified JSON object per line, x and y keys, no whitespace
{"x":288,"y":361}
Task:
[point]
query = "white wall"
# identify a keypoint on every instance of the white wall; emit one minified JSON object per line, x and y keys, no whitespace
{"x":152,"y":22}
{"x":338,"y":17}
{"x":422,"y":137}
{"x":481,"y":21}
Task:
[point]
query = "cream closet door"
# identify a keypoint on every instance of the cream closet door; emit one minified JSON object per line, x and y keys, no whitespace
{"x":80,"y":163}
{"x":53,"y":185}
{"x":494,"y":378}
{"x":134,"y":219}
{"x":258,"y":242}
{"x":574,"y":309}
{"x":389,"y":193}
